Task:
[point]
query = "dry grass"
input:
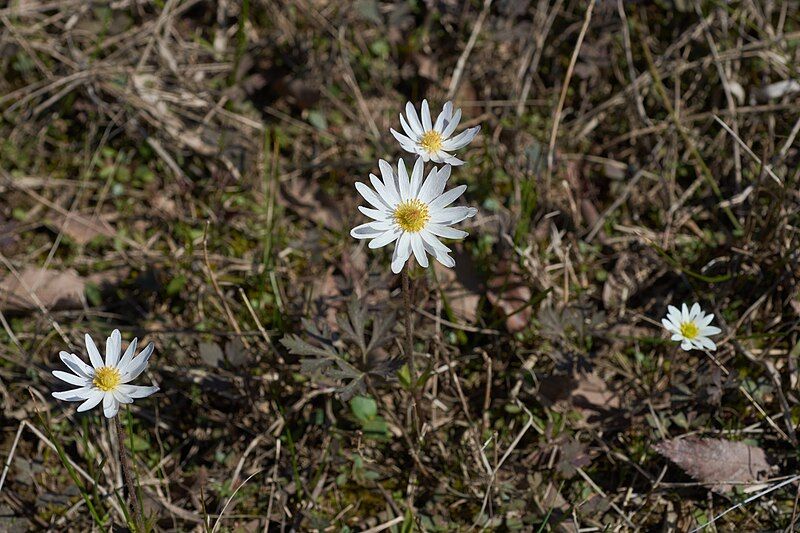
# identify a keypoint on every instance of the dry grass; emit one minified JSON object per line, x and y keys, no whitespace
{"x":183,"y":170}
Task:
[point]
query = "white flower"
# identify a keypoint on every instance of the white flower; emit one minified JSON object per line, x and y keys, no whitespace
{"x":105,"y":381}
{"x":433,"y":141}
{"x":691,"y":327}
{"x":412,"y":212}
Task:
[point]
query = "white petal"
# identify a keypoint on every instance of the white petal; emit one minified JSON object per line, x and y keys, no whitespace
{"x":410,"y":133}
{"x":127,"y":357}
{"x":402,"y":139}
{"x":684,"y":313}
{"x":434,"y":185}
{"x":379,"y":187}
{"x":676,"y":337}
{"x":461,"y":140}
{"x":452,"y":124}
{"x":446,"y":232}
{"x":72,"y":379}
{"x":695,"y":311}
{"x":370,"y":230}
{"x":453,"y":215}
{"x":110,"y":405}
{"x":121,"y":397}
{"x":370,"y":196}
{"x":402,"y":251}
{"x":413,"y":120}
{"x":432,"y":242}
{"x":138,"y":391}
{"x":447,"y":198}
{"x":113,"y":348}
{"x":425,"y":191}
{"x":686,"y":345}
{"x":390,"y":182}
{"x":707,"y":343}
{"x":402,"y":179}
{"x":426,"y":116}
{"x":444,"y":117}
{"x":444,"y":157}
{"x":444,"y":258}
{"x":436,"y":157}
{"x":94,"y":398}
{"x":416,"y":177}
{"x":669,"y":325}
{"x":709,"y":330}
{"x":413,"y":148}
{"x":385,"y":238}
{"x":703,"y":321}
{"x":73,"y":395}
{"x":138,"y":365}
{"x":375,"y":214}
{"x":419,"y":250}
{"x":74,"y":363}
{"x":94,"y":354}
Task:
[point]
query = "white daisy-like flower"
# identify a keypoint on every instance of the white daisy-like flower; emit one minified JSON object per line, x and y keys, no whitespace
{"x":106,"y":381}
{"x":433,"y":141}
{"x":413,"y":212}
{"x":691,"y":327}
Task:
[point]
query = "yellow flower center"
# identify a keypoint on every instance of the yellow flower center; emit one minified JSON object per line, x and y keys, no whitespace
{"x":107,"y":378}
{"x":411,"y":215}
{"x":431,"y":141}
{"x":689,"y":330}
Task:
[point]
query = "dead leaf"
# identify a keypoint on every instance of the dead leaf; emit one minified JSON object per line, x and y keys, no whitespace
{"x":53,"y":288}
{"x":305,"y":198}
{"x":461,"y":287}
{"x":80,"y":228}
{"x":210,"y":353}
{"x":585,"y":392}
{"x":716,"y":462}
{"x":236,"y":353}
{"x":510,"y":293}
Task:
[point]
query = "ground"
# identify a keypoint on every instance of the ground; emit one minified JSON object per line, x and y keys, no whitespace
{"x":184,"y":171}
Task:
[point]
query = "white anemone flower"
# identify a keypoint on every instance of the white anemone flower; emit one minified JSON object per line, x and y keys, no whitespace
{"x":106,"y":381}
{"x":691,"y":327}
{"x":433,"y":141}
{"x":413,"y":212}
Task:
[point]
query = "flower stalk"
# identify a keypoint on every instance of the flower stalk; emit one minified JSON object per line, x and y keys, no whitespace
{"x":134,"y":509}
{"x":407,"y":313}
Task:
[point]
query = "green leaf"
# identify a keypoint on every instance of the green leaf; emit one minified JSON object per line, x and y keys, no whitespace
{"x":377,"y":428}
{"x":364,"y":408}
{"x":176,"y":285}
{"x":404,"y":376}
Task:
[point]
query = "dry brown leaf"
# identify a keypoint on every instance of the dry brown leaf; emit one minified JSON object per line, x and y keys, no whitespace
{"x":54,"y":289}
{"x":716,"y":462}
{"x":585,"y":392}
{"x":305,"y":198}
{"x":461,"y":287}
{"x":80,"y":228}
{"x":510,"y":293}
{"x":592,"y":393}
